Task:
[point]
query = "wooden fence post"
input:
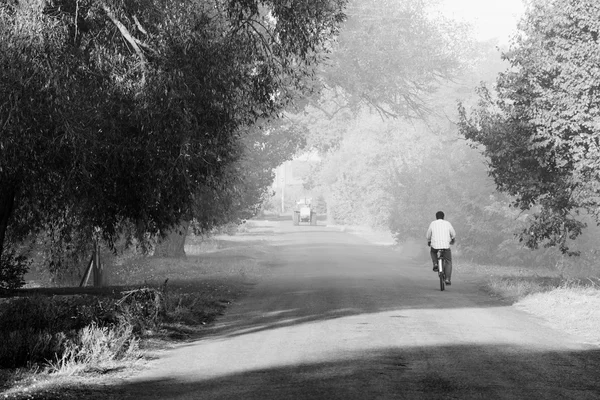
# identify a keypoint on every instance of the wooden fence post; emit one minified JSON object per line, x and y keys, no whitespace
{"x":86,"y":274}
{"x":98,"y":271}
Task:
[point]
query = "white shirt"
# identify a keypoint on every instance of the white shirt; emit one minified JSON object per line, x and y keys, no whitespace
{"x":440,"y":233}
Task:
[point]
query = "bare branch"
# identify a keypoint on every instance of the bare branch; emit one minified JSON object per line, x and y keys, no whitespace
{"x":139,"y":26}
{"x":76,"y":18}
{"x":145,"y":46}
{"x":10,"y":111}
{"x":125,"y":32}
{"x":328,"y":114}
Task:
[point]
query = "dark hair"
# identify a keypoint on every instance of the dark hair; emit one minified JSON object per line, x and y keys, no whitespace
{"x":439,"y":215}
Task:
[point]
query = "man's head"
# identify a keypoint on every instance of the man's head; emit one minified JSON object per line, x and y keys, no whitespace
{"x":439,"y":215}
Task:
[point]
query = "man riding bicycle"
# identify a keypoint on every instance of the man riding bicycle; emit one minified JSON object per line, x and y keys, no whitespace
{"x":440,"y":236}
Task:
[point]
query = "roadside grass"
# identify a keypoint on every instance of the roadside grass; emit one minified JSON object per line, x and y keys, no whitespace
{"x":568,"y":303}
{"x":55,"y":338}
{"x":45,"y":340}
{"x":574,"y":308}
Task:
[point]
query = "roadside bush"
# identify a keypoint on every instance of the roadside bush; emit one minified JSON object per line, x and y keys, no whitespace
{"x":95,"y":347}
{"x":320,"y":205}
{"x":36,"y":329}
{"x":68,"y":331}
{"x":142,"y":308}
{"x":25,"y":347}
{"x":192,"y":309}
{"x":13,"y":268}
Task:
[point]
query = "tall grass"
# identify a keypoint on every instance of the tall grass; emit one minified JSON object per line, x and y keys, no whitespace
{"x":96,"y":348}
{"x":518,"y":287}
{"x":71,"y":334}
{"x":573,"y":307}
{"x":64,"y":331}
{"x":570,"y":304}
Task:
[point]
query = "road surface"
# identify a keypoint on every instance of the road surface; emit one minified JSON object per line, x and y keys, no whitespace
{"x":339,"y":318}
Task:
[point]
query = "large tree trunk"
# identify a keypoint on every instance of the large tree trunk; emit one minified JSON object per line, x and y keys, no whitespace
{"x":7,"y":205}
{"x":172,"y":245}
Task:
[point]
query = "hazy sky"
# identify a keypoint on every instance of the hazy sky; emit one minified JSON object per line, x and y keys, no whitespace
{"x":490,"y":18}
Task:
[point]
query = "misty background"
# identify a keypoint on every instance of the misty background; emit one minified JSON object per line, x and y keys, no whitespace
{"x":383,"y":148}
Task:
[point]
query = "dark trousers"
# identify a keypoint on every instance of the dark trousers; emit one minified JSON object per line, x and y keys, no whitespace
{"x":447,"y":256}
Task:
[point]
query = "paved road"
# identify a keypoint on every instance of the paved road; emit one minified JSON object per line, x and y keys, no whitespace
{"x":340,"y":318}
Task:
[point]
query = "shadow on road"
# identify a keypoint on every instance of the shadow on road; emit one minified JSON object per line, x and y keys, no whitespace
{"x":354,"y":301}
{"x":473,"y":372}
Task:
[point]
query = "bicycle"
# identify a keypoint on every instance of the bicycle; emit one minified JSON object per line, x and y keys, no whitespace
{"x":441,"y":272}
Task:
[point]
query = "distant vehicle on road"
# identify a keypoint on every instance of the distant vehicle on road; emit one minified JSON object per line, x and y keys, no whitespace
{"x":304,"y":212}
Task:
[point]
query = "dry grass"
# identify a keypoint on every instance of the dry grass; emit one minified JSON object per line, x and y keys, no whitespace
{"x":515,"y":287}
{"x":94,"y":351}
{"x":509,"y":282}
{"x":574,"y":309}
{"x":570,"y":304}
{"x":97,"y":349}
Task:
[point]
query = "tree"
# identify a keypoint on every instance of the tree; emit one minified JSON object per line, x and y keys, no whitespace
{"x":264,"y":147}
{"x":541,"y":129}
{"x":119,"y":114}
{"x":390,"y":56}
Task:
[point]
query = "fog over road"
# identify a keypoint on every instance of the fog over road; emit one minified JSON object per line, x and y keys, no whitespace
{"x":340,"y":318}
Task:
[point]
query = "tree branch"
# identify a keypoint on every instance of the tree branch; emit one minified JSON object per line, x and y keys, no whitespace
{"x":7,"y":118}
{"x":139,"y":26}
{"x":328,"y":114}
{"x":125,"y":33}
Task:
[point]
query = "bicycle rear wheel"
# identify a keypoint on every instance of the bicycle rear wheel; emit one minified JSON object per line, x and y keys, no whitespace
{"x":442,"y":275}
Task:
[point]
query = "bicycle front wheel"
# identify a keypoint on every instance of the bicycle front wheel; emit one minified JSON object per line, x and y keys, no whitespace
{"x":442,"y":281}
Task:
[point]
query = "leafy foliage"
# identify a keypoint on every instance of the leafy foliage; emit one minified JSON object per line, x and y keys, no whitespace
{"x":36,"y":329}
{"x":13,"y":268}
{"x":132,"y":114}
{"x":390,"y":56}
{"x":541,"y":131}
{"x":265,"y":146}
